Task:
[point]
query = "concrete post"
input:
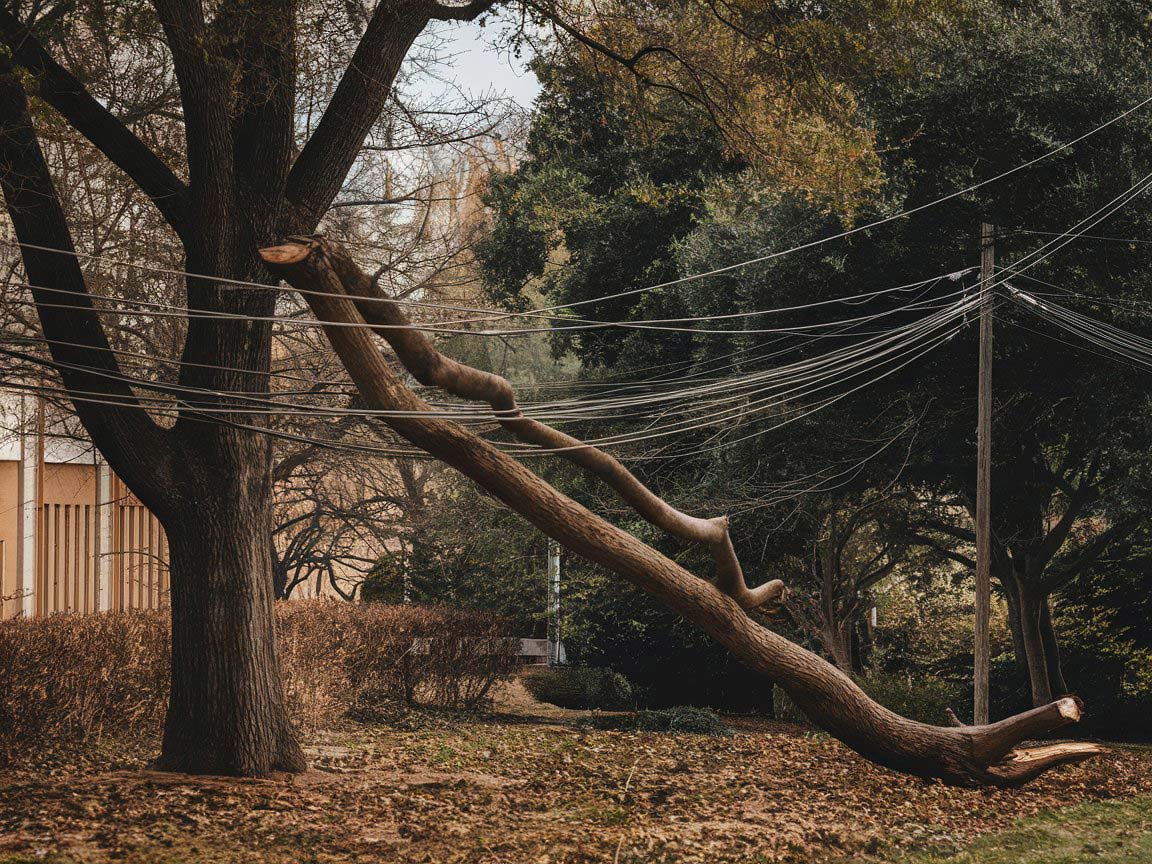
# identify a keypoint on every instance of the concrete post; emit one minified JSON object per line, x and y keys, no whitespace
{"x":555,"y":645}
{"x":29,"y":508}
{"x":103,"y":551}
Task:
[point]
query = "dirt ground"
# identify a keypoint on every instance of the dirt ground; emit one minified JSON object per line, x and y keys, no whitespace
{"x":526,"y":784}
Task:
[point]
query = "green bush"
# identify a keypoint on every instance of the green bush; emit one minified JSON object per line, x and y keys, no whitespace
{"x":682,"y":718}
{"x":579,"y":687}
{"x":919,"y":697}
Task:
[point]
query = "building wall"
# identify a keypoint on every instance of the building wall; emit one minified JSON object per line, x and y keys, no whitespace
{"x":93,"y":550}
{"x":9,"y":532}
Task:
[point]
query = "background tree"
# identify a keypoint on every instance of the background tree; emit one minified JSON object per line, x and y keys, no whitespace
{"x":846,"y":555}
{"x":246,"y":169}
{"x":1065,"y":421}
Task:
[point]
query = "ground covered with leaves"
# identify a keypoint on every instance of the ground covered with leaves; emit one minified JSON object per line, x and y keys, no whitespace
{"x":516,"y":788}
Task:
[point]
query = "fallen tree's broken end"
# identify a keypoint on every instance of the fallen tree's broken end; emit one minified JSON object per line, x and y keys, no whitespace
{"x":1024,"y":763}
{"x":289,"y":253}
{"x":1069,"y":708}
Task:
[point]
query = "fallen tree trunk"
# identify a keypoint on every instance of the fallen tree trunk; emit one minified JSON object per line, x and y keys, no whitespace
{"x":343,"y":297}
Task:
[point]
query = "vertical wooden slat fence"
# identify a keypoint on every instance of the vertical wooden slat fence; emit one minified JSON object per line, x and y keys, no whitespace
{"x":140,"y":567}
{"x":68,"y":573}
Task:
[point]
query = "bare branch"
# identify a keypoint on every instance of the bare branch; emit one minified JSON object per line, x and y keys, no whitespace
{"x":80,"y":348}
{"x":322,"y":165}
{"x":433,"y":369}
{"x":61,"y":89}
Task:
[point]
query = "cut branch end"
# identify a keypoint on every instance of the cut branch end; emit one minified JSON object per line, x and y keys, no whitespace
{"x":289,"y":253}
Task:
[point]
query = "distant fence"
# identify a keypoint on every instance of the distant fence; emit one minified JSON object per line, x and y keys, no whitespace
{"x":77,"y":563}
{"x":139,"y":556}
{"x":530,"y":652}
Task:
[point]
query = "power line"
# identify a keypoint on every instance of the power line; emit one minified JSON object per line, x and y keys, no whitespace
{"x":156,"y":308}
{"x":685,"y":279}
{"x":1083,"y":236}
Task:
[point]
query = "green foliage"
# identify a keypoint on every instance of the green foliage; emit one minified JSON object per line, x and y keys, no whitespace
{"x":580,"y":687}
{"x":600,"y":205}
{"x":668,"y":661}
{"x":467,"y":551}
{"x":1107,"y":646}
{"x":923,"y":697}
{"x":682,"y":718}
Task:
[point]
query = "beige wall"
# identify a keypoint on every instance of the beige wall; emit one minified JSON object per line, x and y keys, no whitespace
{"x":9,"y":531}
{"x":69,"y":554}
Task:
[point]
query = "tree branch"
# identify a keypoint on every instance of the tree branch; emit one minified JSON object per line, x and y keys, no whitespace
{"x":971,"y":755}
{"x":202,"y":87}
{"x":1091,"y":551}
{"x":433,"y":369}
{"x":320,"y":169}
{"x":924,"y":540}
{"x":468,"y":12}
{"x":1077,"y":501}
{"x":64,"y":92}
{"x":78,"y":343}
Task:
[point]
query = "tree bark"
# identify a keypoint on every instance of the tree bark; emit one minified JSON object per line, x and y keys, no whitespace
{"x":837,"y":639}
{"x":967,"y":755}
{"x":246,"y":181}
{"x":1012,"y":595}
{"x":226,"y":711}
{"x":207,"y":483}
{"x":1052,"y":650}
{"x":1032,"y":606}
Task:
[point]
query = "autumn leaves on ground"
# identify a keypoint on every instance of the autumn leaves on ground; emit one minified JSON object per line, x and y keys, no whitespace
{"x":528,"y":782}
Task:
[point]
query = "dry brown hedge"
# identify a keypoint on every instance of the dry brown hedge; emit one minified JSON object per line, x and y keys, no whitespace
{"x":69,"y":679}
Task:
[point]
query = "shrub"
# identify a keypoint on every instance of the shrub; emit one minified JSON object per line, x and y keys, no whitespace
{"x":925,"y":698}
{"x":579,"y":687}
{"x":354,"y":659}
{"x":682,"y":718}
{"x":68,"y":679}
{"x":917,"y":697}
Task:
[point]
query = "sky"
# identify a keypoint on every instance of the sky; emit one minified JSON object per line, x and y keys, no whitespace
{"x":478,"y":66}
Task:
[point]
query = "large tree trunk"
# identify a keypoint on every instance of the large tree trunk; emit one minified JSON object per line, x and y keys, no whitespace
{"x":837,"y":640}
{"x":973,"y":754}
{"x":1032,"y":605}
{"x":208,"y":484}
{"x":1012,"y":595}
{"x":226,"y":711}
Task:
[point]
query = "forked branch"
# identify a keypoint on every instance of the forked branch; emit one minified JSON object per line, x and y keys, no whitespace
{"x":433,"y":369}
{"x":963,"y":755}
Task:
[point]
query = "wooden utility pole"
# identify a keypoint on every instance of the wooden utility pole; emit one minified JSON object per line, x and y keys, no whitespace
{"x":983,"y":478}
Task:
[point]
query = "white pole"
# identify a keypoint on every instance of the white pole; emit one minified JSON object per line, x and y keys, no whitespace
{"x":28,"y":516}
{"x":555,"y":645}
{"x":103,"y":549}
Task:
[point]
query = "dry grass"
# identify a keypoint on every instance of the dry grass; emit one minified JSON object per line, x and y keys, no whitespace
{"x":73,"y":679}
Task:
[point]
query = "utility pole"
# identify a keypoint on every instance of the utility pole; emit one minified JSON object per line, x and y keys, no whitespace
{"x":983,"y":478}
{"x":555,"y":646}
